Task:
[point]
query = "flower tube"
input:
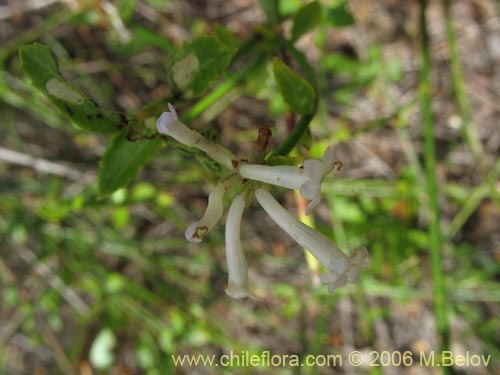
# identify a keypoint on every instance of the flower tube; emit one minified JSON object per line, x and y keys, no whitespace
{"x":168,"y":123}
{"x":236,"y":264}
{"x":307,"y":180}
{"x":196,"y":231}
{"x":342,"y":269}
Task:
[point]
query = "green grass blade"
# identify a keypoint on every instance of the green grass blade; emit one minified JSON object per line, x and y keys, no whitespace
{"x":431,"y":184}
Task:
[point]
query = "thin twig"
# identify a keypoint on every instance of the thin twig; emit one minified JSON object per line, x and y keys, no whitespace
{"x":57,"y":350}
{"x":10,"y":326}
{"x":44,"y":166}
{"x":7,"y":11}
{"x":44,"y":271}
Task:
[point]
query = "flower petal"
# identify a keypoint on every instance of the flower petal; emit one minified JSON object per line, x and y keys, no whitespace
{"x":283,"y":175}
{"x":164,"y":121}
{"x":312,"y":204}
{"x":328,"y":160}
{"x":196,"y":231}
{"x":315,"y":242}
{"x":236,"y":292}
{"x":172,"y":110}
{"x":168,"y":123}
{"x":311,"y":189}
{"x":236,"y":263}
{"x":337,"y":278}
{"x":314,"y":169}
{"x":342,"y":269}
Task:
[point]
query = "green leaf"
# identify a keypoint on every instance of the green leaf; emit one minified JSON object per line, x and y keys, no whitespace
{"x":289,"y":7}
{"x":306,"y":19}
{"x":199,"y":63}
{"x":271,"y":10}
{"x":339,"y":15}
{"x":143,"y":38}
{"x":226,"y":36}
{"x":296,"y":91}
{"x":126,"y":8}
{"x":122,"y":161}
{"x":40,"y":65}
{"x":53,"y":210}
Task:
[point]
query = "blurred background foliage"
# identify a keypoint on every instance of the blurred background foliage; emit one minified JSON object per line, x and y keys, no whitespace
{"x":108,"y":285}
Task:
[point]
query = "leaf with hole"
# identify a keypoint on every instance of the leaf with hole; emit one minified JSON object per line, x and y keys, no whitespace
{"x":40,"y":65}
{"x":199,"y":63}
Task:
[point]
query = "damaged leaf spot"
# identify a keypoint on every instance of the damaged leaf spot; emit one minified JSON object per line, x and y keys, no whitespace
{"x":62,"y":91}
{"x":184,"y":70}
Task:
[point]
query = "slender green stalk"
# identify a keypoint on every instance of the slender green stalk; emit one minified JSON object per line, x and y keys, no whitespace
{"x":467,"y":210}
{"x":474,"y":200}
{"x":154,"y":108}
{"x":221,"y":90}
{"x":293,"y":138}
{"x":435,"y":244}
{"x":463,"y":103}
{"x":246,"y":46}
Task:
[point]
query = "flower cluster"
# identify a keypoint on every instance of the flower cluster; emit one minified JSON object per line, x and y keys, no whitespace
{"x":307,"y":180}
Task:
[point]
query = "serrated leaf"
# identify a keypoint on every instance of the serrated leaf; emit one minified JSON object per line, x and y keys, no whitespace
{"x":199,"y":63}
{"x":306,"y":19}
{"x":122,"y":161}
{"x":40,"y":65}
{"x":296,"y":91}
{"x":339,"y":15}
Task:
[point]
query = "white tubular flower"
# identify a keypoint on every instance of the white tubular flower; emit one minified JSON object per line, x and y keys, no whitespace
{"x":306,"y":180}
{"x":342,"y":269}
{"x":196,"y":231}
{"x":236,"y":264}
{"x":169,"y":124}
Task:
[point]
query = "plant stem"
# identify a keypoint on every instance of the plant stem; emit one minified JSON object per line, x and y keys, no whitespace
{"x":200,"y":106}
{"x":221,"y":90}
{"x":431,"y":186}
{"x":476,"y":197}
{"x":293,"y":138}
